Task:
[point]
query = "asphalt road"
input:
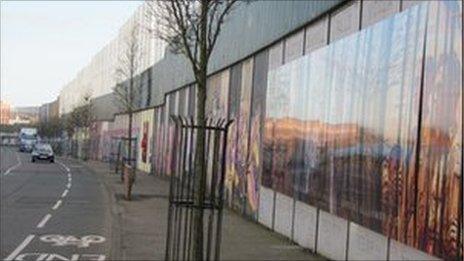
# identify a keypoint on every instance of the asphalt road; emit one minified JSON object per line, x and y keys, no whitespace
{"x":51,"y":211}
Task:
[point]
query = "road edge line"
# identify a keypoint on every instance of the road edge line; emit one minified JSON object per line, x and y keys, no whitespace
{"x":57,"y":204}
{"x":8,"y":171}
{"x":44,"y":221}
{"x":20,"y":248}
{"x":115,"y":211}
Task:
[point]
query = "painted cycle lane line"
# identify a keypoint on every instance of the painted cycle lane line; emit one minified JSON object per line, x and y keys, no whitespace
{"x":66,"y":221}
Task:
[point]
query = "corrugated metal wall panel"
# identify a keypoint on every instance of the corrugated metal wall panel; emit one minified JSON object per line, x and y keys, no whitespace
{"x":260,"y":22}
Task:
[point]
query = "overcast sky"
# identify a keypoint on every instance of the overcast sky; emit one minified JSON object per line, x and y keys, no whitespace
{"x":45,"y":43}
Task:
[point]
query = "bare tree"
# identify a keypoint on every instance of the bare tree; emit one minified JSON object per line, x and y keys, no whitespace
{"x":80,"y":118}
{"x":191,"y":28}
{"x":127,"y":90}
{"x":85,"y":113}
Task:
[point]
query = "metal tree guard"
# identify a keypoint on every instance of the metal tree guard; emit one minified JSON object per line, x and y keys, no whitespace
{"x":181,"y":193}
{"x":118,"y":154}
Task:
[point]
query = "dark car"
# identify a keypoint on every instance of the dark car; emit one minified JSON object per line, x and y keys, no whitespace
{"x":43,"y":151}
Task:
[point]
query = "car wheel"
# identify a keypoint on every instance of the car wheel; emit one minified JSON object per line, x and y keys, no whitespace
{"x":33,"y":159}
{"x":52,"y":161}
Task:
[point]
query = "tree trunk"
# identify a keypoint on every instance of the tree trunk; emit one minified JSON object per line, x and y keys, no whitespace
{"x":200,"y":170}
{"x":128,"y":173}
{"x":129,"y":136}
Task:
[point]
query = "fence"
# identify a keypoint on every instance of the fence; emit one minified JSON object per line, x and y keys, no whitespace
{"x":119,"y":154}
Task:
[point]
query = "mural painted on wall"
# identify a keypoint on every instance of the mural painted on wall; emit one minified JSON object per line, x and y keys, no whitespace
{"x":217,"y":96}
{"x":240,"y":174}
{"x":254,"y":164}
{"x":106,"y":141}
{"x":258,"y":102}
{"x":144,"y":141}
{"x":95,"y":132}
{"x":440,"y":152}
{"x":171,"y":109}
{"x":231,"y":180}
{"x":158,"y":140}
{"x":181,"y":102}
{"x":117,"y":129}
{"x":342,"y":129}
{"x":243,"y":131}
{"x":145,"y":121}
{"x":99,"y":140}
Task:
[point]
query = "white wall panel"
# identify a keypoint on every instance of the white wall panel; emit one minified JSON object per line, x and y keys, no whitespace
{"x":316,"y":35}
{"x":304,"y":229}
{"x":365,"y":244}
{"x":399,"y":251}
{"x":345,"y":21}
{"x":283,"y":215}
{"x":275,"y":55}
{"x":332,"y":237}
{"x":294,"y":46}
{"x":266,"y":206}
{"x":374,"y":11}
{"x":409,"y":3}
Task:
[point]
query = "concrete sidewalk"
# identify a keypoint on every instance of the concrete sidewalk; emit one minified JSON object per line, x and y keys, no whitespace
{"x":140,"y":225}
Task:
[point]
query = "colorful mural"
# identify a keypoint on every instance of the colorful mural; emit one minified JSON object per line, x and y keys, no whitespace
{"x":255,"y":159}
{"x":231,"y":180}
{"x":368,"y":135}
{"x":439,"y":174}
{"x":119,"y":129}
{"x":240,"y":174}
{"x":145,"y":120}
{"x":98,"y":140}
{"x":158,"y":140}
{"x":171,"y":109}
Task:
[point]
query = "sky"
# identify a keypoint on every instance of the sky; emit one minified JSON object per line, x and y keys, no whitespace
{"x":44,"y":44}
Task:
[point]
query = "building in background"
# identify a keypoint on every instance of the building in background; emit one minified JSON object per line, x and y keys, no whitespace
{"x":54,"y":110}
{"x":43,"y":112}
{"x":25,"y":115}
{"x":5,"y":112}
{"x":49,"y":111}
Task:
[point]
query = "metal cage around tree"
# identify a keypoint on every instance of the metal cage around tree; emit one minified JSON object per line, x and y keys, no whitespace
{"x":119,"y":151}
{"x":179,"y":242}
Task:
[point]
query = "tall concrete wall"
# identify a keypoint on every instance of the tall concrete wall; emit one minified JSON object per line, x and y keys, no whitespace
{"x":265,"y":22}
{"x":252,"y":26}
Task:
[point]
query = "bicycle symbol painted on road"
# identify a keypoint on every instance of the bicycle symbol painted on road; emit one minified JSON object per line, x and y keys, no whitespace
{"x":68,"y":240}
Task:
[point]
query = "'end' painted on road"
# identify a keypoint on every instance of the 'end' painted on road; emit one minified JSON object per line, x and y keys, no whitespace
{"x":53,"y":256}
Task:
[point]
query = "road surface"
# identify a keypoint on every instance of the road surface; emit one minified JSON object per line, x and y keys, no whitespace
{"x":51,"y":211}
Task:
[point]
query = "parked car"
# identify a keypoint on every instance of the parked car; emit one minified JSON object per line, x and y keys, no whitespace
{"x":43,"y":151}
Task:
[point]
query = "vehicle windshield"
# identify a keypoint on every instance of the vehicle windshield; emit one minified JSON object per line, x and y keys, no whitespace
{"x":28,"y":137}
{"x":43,"y":147}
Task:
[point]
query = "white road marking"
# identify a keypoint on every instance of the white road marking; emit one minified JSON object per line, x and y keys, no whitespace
{"x":44,"y":221}
{"x":20,"y":247}
{"x":65,"y":192}
{"x":64,"y":166}
{"x":69,"y":240}
{"x":68,"y":185}
{"x":8,"y":171}
{"x":54,"y":256}
{"x":57,"y":204}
